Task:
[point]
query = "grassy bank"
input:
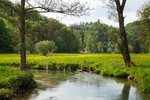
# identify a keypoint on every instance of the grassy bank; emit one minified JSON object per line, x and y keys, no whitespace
{"x":14,"y":82}
{"x":104,"y":64}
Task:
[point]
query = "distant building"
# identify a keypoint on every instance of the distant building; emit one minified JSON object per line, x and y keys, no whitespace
{"x":75,"y":26}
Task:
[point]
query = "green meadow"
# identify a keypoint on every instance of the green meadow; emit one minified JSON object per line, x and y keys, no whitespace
{"x":104,"y":64}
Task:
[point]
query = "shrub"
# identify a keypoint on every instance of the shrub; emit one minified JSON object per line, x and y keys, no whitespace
{"x":13,"y":81}
{"x":45,"y":47}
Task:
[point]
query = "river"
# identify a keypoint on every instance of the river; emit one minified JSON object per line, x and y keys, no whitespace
{"x":54,"y":85}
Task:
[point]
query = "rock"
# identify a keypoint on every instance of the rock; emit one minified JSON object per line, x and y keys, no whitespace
{"x":52,"y":98}
{"x":80,"y":70}
{"x":131,"y":77}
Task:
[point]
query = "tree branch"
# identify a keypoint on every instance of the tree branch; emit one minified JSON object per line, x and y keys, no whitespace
{"x":118,"y":4}
{"x":58,"y":6}
{"x":123,"y":4}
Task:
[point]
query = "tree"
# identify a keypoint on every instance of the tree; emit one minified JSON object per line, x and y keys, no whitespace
{"x":67,"y":41}
{"x":91,"y":42}
{"x":22,"y":36}
{"x":56,"y":6}
{"x":45,"y":47}
{"x":98,"y":37}
{"x":116,"y":11}
{"x":100,"y":47}
{"x":41,"y":29}
{"x":144,"y":15}
{"x":6,"y":35}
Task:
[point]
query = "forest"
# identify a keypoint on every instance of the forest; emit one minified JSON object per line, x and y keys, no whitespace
{"x":92,"y":37}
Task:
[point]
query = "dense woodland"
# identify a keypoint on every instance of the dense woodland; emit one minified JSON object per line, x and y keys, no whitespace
{"x":93,"y":37}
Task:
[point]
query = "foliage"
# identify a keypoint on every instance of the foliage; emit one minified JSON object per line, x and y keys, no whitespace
{"x":6,"y":35}
{"x":137,"y":37}
{"x":45,"y":47}
{"x":39,"y":28}
{"x":98,"y":37}
{"x":13,"y":81}
{"x":144,"y":14}
{"x":68,"y":40}
{"x":52,"y":30}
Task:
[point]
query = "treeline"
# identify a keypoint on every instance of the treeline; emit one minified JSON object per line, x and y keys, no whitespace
{"x":100,"y":38}
{"x":97,"y":37}
{"x":93,"y":37}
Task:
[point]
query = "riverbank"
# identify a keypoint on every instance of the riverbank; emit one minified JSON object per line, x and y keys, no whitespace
{"x":14,"y":82}
{"x":104,"y":64}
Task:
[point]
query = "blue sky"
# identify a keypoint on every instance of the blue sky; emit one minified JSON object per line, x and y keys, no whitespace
{"x":100,"y":12}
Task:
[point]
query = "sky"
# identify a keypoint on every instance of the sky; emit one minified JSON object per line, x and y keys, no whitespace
{"x":100,"y":12}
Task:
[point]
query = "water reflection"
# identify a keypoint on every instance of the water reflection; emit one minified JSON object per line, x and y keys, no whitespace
{"x":82,"y":86}
{"x":125,"y":91}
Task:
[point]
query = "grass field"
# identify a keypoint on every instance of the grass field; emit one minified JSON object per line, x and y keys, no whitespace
{"x":104,"y":64}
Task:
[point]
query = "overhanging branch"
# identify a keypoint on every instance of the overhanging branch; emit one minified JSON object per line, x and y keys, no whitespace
{"x":58,"y":6}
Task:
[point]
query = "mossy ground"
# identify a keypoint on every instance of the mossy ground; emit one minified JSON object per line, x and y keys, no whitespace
{"x":104,"y":64}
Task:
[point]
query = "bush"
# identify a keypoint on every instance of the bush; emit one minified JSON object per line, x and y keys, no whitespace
{"x":13,"y":81}
{"x":45,"y":47}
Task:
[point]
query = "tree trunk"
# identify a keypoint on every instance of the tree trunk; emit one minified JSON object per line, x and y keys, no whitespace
{"x":22,"y":36}
{"x":124,"y":42}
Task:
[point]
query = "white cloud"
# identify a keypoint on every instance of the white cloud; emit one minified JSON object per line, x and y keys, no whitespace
{"x":100,"y":12}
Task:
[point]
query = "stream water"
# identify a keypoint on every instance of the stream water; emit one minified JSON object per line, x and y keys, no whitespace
{"x":82,"y":86}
